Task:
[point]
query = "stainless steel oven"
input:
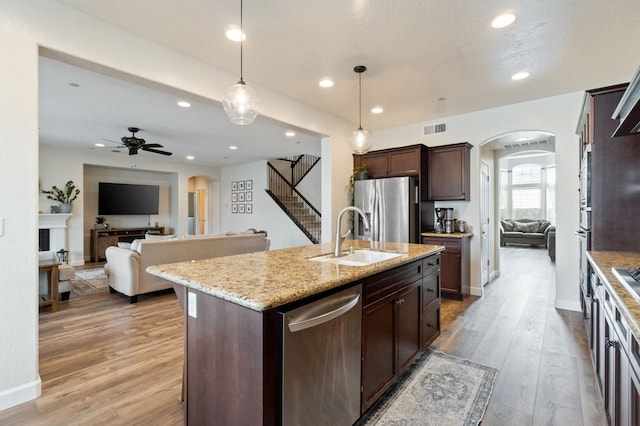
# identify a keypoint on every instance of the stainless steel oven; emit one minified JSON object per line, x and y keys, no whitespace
{"x":584,"y":244}
{"x":585,"y":181}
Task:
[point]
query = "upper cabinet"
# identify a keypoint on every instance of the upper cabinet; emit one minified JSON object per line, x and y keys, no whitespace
{"x":448,"y":172}
{"x":394,"y":162}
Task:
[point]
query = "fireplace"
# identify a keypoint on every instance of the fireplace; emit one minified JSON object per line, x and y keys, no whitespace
{"x":52,"y":232}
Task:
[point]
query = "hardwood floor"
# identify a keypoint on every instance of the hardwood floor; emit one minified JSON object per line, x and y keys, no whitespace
{"x":545,"y":374}
{"x":105,"y":361}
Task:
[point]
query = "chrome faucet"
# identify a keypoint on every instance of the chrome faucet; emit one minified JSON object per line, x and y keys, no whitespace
{"x":340,"y":238}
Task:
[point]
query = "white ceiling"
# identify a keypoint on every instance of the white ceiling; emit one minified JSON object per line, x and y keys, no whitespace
{"x":416,"y":51}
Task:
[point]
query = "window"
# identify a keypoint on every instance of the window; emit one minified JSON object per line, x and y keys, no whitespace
{"x":526,"y":174}
{"x":526,"y":203}
{"x":527,"y":191}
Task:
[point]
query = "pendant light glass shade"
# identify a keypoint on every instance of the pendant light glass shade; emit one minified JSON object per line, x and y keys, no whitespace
{"x":241,"y":104}
{"x":360,"y":139}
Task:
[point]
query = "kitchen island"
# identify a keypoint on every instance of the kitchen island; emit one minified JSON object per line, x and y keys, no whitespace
{"x":233,"y":330}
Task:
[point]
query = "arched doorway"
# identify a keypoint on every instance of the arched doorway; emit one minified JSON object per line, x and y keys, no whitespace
{"x":499,"y":154}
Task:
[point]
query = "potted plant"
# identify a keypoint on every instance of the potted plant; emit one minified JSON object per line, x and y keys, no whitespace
{"x":65,"y":196}
{"x":101,"y":223}
{"x":360,"y":172}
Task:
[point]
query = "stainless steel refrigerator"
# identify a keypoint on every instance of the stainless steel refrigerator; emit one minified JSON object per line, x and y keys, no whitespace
{"x":392,"y":208}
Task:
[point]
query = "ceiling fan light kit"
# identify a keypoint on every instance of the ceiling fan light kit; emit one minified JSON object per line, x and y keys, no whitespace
{"x":241,"y":103}
{"x":360,"y":139}
{"x":133,"y":144}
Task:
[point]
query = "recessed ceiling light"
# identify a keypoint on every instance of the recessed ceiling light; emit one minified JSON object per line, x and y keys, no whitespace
{"x":74,"y":85}
{"x":377,"y":110}
{"x":441,"y":99}
{"x":290,"y":134}
{"x":503,"y":20}
{"x":100,"y":145}
{"x":233,"y":147}
{"x":520,"y":75}
{"x":522,"y":139}
{"x":326,"y":82}
{"x":234,"y":34}
{"x":190,"y":157}
{"x":184,"y":104}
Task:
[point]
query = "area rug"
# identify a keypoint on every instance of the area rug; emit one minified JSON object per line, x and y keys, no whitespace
{"x":89,"y":281}
{"x":438,"y":389}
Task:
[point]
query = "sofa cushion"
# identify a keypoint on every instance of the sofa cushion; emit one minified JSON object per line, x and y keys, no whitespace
{"x":543,"y":225}
{"x":124,"y":245}
{"x":516,"y":234}
{"x":525,"y":227}
{"x":135,"y":245}
{"x":506,"y":225}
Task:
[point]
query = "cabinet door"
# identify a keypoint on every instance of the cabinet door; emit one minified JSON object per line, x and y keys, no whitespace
{"x":430,"y":323}
{"x":448,"y":170}
{"x":378,"y":349}
{"x":376,"y":164}
{"x":450,"y":271}
{"x":617,"y":381}
{"x":634,"y":398}
{"x":104,"y":242}
{"x":408,"y":325}
{"x":404,"y":163}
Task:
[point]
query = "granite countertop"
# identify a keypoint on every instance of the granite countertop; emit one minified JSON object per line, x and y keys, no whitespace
{"x":603,"y":261}
{"x":268,"y":279}
{"x":445,"y":235}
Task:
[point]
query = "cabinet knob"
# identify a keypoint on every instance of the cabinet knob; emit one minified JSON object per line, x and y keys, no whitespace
{"x":399,"y":302}
{"x":430,"y":325}
{"x":430,"y":290}
{"x":610,"y":343}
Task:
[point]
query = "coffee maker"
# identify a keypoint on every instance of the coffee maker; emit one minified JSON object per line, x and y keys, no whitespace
{"x":440,"y":214}
{"x":448,"y":220}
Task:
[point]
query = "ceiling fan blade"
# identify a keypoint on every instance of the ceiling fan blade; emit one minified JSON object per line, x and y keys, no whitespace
{"x":157,"y":151}
{"x":110,"y":140}
{"x":153,"y":145}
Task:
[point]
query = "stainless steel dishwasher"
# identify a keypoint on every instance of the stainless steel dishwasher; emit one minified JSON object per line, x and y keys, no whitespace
{"x":321,"y":361}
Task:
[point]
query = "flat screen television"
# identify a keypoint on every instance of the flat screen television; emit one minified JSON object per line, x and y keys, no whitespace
{"x":127,"y":199}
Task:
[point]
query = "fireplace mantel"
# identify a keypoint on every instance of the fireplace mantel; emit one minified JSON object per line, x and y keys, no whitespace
{"x":53,"y":220}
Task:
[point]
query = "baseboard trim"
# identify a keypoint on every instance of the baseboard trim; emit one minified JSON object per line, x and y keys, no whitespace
{"x":475,"y":291}
{"x":19,"y":394}
{"x":567,"y":305}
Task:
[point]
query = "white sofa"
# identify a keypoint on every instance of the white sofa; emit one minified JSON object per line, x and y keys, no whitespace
{"x":126,"y":268}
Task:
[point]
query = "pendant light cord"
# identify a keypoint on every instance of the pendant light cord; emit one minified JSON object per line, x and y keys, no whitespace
{"x":360,"y":101}
{"x":241,"y":37}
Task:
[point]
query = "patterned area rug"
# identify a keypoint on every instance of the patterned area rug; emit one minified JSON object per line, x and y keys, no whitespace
{"x":89,"y":281}
{"x":438,"y":389}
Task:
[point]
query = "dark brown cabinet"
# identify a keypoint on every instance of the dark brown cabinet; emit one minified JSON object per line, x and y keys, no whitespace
{"x":615,"y":356}
{"x":404,"y":161}
{"x":455,"y":271}
{"x":613,"y":189}
{"x":448,"y":172}
{"x":430,"y":300}
{"x":103,"y":238}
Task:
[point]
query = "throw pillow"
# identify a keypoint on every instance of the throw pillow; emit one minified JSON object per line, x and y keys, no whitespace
{"x":543,"y":225}
{"x":506,"y":225}
{"x":125,"y":245}
{"x":135,"y":245}
{"x":525,"y":227}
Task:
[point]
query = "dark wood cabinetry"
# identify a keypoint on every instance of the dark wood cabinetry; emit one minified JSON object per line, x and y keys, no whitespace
{"x":391,"y":334}
{"x":614,"y":196}
{"x":448,"y":172}
{"x":455,"y":271}
{"x":614,"y":352}
{"x":103,"y":238}
{"x":430,"y":300}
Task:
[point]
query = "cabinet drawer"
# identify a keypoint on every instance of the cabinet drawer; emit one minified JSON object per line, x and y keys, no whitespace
{"x":448,"y":243}
{"x":430,"y":324}
{"x":430,"y":264}
{"x":430,"y":287}
{"x":387,"y":282}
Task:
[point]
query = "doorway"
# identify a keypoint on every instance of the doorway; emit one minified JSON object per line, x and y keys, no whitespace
{"x":198,"y":220}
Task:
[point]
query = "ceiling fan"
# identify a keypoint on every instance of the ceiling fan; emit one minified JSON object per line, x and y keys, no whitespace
{"x":133,"y":144}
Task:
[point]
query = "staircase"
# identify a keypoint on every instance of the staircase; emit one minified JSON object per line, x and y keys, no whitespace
{"x":299,"y":209}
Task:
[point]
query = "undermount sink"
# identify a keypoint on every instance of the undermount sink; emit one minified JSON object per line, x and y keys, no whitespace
{"x":357,"y":258}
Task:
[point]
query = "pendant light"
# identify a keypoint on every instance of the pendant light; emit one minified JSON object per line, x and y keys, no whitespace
{"x":241,"y":102}
{"x":360,"y":139}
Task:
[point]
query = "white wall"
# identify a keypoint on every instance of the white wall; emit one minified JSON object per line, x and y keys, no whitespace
{"x":24,"y":26}
{"x":557,"y":115}
{"x":266,"y":215}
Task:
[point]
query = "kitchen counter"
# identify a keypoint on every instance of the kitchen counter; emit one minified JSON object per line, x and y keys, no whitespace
{"x":445,"y":235}
{"x":603,"y":261}
{"x":264,"y":280}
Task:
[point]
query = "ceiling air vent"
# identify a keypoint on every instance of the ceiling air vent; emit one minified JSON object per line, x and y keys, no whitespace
{"x":432,"y":129}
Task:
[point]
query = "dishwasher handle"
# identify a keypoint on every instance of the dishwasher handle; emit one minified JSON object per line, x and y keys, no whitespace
{"x":326,"y":317}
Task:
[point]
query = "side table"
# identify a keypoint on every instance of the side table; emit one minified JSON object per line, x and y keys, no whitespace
{"x":51,"y":268}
